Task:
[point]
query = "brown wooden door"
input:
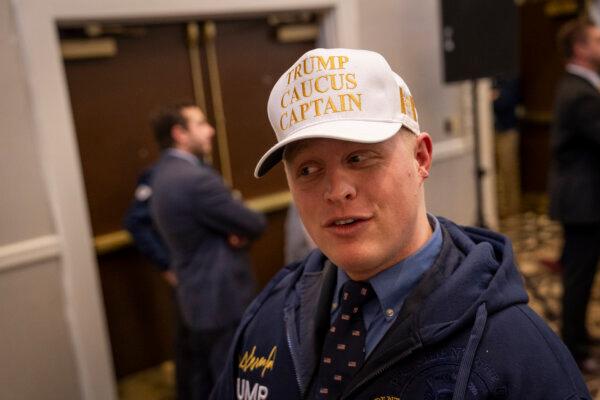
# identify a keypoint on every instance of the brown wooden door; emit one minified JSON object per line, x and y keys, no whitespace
{"x":112,"y":99}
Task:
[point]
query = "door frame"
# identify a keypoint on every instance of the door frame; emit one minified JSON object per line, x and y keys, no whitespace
{"x":59,"y":155}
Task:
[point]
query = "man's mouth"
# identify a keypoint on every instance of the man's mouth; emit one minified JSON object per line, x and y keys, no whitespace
{"x":345,"y":221}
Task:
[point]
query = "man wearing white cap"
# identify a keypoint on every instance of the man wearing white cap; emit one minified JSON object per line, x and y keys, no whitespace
{"x":395,"y":303}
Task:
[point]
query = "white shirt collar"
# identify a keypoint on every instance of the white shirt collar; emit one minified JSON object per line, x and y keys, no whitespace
{"x":587,"y":74}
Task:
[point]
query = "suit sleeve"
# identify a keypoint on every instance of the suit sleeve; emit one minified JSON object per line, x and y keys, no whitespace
{"x":216,"y":208}
{"x":138,"y":223}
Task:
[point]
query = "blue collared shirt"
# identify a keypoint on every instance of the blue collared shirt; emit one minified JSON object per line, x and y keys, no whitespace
{"x":391,"y":287}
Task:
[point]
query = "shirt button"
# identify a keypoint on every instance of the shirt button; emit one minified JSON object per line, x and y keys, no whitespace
{"x":334,"y":306}
{"x":389,"y":312}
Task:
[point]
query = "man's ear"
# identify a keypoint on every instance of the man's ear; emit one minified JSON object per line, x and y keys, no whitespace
{"x":178,"y":134}
{"x":423,"y":153}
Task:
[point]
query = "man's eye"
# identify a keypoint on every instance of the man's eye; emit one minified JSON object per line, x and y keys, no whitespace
{"x":306,"y":170}
{"x":356,"y":158}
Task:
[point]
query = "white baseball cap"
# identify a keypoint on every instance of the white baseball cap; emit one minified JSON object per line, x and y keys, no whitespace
{"x":339,"y":94}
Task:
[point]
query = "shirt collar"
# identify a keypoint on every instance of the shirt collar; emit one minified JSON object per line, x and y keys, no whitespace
{"x":392,"y":285}
{"x":587,"y":74}
{"x":184,"y":155}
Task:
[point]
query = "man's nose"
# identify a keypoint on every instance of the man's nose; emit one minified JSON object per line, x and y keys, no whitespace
{"x":340,"y":187}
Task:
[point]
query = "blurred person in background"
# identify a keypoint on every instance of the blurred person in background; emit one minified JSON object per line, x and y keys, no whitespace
{"x":575,"y":181}
{"x":508,"y":181}
{"x":207,"y":232}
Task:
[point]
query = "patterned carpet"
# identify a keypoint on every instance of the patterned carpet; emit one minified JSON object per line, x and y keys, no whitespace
{"x":534,"y":237}
{"x":156,"y":383}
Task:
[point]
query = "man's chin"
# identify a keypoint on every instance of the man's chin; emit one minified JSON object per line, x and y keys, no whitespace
{"x":358,"y":268}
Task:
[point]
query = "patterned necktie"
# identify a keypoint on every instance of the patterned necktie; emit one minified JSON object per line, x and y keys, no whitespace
{"x":344,"y":347}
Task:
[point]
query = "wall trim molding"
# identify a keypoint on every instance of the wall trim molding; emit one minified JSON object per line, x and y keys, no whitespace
{"x":30,"y":251}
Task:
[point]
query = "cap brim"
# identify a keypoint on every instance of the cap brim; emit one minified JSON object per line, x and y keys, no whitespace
{"x":351,"y":130}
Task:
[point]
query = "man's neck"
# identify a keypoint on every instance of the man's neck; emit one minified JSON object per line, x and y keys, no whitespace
{"x":186,"y":150}
{"x":181,"y":153}
{"x":583,"y":64}
{"x":181,"y":148}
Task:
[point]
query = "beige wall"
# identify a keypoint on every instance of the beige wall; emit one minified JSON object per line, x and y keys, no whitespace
{"x":35,"y":346}
{"x":38,"y":360}
{"x":24,"y":206}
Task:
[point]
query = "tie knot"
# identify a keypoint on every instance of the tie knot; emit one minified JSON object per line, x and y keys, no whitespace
{"x":355,"y":294}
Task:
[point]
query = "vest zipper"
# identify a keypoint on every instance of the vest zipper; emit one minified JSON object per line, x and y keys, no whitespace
{"x":376,"y":373}
{"x":294,"y":359}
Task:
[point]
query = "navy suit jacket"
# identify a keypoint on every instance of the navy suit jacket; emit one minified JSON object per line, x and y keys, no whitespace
{"x":195,"y":213}
{"x":575,"y":143}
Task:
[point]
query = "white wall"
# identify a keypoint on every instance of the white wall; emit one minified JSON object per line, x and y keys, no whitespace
{"x":17,"y":144}
{"x":38,"y":359}
{"x":37,"y":353}
{"x":50,"y":303}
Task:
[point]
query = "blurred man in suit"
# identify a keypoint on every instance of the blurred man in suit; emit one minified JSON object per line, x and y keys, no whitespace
{"x":207,"y":232}
{"x":575,"y":180}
